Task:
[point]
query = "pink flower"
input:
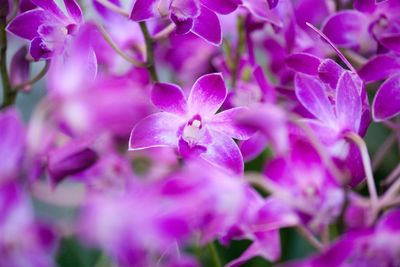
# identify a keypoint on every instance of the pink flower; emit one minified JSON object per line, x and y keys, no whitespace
{"x":191,"y":125}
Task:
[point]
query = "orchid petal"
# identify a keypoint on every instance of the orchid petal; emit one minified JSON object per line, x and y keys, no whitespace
{"x":143,"y":10}
{"x":26,"y":25}
{"x":348,"y":103}
{"x":50,"y":6}
{"x":74,"y":10}
{"x":386,"y":104}
{"x":157,"y":130}
{"x":346,"y":28}
{"x":207,"y":95}
{"x":224,"y":152}
{"x":207,"y":26}
{"x":329,"y":72}
{"x":373,"y":71}
{"x":253,"y":146}
{"x":223,"y":7}
{"x":312,"y":95}
{"x":169,"y":98}
{"x":225,"y":122}
{"x":261,"y":10}
{"x":303,"y":62}
{"x":391,"y":42}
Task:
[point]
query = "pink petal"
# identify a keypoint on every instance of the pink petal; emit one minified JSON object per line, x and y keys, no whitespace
{"x":26,"y":25}
{"x":253,"y":147}
{"x":223,"y":152}
{"x":51,"y":6}
{"x":261,"y":10}
{"x":268,"y":247}
{"x":312,"y":95}
{"x":221,"y":6}
{"x":303,"y":62}
{"x":366,"y":6}
{"x":74,"y":10}
{"x":329,"y":72}
{"x":169,"y":98}
{"x":348,"y":103}
{"x":225,"y":122}
{"x":386,"y":104}
{"x":347,"y":28}
{"x":207,"y":95}
{"x":143,"y":10}
{"x":19,"y":68}
{"x":207,"y":26}
{"x":391,"y":42}
{"x":373,"y":71}
{"x":157,"y":130}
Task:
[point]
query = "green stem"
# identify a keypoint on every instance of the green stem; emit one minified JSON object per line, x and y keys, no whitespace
{"x":9,"y":95}
{"x":214,"y":255}
{"x":149,"y":51}
{"x":241,"y":43}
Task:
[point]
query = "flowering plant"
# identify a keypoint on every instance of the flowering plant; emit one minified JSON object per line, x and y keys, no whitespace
{"x":185,"y":133}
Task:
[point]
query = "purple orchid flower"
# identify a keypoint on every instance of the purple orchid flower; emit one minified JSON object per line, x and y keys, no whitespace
{"x":194,"y":16}
{"x":159,"y":217}
{"x":191,"y":125}
{"x":24,"y":242}
{"x":200,"y":16}
{"x":302,"y":181}
{"x":378,"y":246}
{"x":386,"y":102}
{"x":47,"y":27}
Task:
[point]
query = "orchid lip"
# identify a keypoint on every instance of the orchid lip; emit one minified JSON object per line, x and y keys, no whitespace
{"x":193,"y":131}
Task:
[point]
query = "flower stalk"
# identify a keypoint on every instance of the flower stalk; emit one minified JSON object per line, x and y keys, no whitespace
{"x":149,"y":52}
{"x":9,"y":95}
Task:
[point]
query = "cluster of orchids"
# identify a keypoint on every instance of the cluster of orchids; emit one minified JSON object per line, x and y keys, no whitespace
{"x":188,"y":133}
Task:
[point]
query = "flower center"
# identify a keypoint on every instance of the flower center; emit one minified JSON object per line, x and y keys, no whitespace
{"x":193,"y":131}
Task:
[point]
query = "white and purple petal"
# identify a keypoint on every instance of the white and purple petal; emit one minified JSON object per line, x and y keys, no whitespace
{"x":223,"y":152}
{"x":348,"y":103}
{"x":207,"y":95}
{"x":312,"y":94}
{"x":169,"y":97}
{"x":226,"y":123}
{"x":157,"y":130}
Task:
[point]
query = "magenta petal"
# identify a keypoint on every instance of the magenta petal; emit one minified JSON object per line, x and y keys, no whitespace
{"x":303,"y":62}
{"x":373,"y":71}
{"x":207,"y":95}
{"x":253,"y":147}
{"x":348,"y":103}
{"x":387,"y":100}
{"x":311,"y":94}
{"x":168,"y":97}
{"x":329,"y":72}
{"x":143,"y":10}
{"x":221,"y":6}
{"x":223,"y":152}
{"x":207,"y":26}
{"x":225,"y":122}
{"x":51,"y":6}
{"x":19,"y":68}
{"x":74,"y":10}
{"x":391,"y":42}
{"x":157,"y":130}
{"x":367,"y":6}
{"x":346,"y":28}
{"x":261,"y":10}
{"x":26,"y":25}
{"x":267,"y":246}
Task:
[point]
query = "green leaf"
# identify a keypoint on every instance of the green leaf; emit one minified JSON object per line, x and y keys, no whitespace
{"x":73,"y":254}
